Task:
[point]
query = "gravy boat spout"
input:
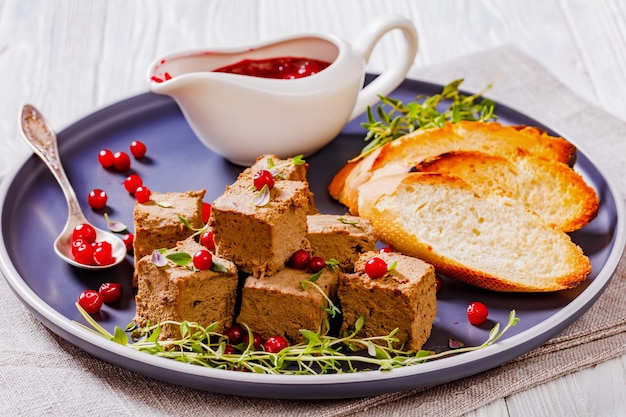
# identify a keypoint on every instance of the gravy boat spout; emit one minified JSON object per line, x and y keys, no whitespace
{"x":243,"y":116}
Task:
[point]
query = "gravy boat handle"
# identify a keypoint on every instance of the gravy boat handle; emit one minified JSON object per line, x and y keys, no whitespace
{"x":387,"y":81}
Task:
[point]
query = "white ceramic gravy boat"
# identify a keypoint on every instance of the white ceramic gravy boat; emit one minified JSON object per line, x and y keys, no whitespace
{"x":241,"y":117}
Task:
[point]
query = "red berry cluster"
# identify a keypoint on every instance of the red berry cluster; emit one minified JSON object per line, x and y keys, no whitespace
{"x":120,"y":162}
{"x":237,"y":334}
{"x":87,"y":250}
{"x":302,"y":259}
{"x":91,"y":300}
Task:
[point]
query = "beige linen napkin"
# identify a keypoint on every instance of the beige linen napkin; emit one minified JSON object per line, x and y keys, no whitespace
{"x":42,"y":374}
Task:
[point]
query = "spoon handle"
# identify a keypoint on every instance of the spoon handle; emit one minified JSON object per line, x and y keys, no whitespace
{"x":43,"y":141}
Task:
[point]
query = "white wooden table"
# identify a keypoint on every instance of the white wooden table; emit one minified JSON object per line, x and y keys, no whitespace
{"x":70,"y":58}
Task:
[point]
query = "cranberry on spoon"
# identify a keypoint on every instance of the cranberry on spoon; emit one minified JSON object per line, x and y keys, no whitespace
{"x":42,"y":139}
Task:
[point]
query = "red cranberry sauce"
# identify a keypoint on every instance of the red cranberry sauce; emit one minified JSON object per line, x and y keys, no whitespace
{"x":285,"y":68}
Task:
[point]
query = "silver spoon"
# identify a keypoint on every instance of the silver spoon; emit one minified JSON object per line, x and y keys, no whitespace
{"x":42,"y":139}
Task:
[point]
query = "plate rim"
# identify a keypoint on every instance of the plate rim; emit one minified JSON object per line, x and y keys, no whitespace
{"x":68,"y":329}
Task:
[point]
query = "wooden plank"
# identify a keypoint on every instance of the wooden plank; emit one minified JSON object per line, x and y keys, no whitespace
{"x":71,"y":57}
{"x":599,"y":31}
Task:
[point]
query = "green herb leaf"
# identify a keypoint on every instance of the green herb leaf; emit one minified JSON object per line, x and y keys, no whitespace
{"x":262,"y":197}
{"x":316,"y":276}
{"x":217,"y":266}
{"x":188,"y":225}
{"x":434,"y":111}
{"x":120,"y":336}
{"x":180,"y":258}
{"x":346,"y":221}
{"x":114,"y":226}
{"x":298,"y":160}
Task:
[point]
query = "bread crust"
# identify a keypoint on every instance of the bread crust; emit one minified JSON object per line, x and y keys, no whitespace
{"x":551,"y":189}
{"x":493,"y":243}
{"x":403,"y":153}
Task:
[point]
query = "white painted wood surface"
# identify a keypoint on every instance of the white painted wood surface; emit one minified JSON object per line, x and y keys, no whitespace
{"x":70,"y":58}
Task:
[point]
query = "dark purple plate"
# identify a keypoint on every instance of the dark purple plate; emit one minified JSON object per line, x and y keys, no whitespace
{"x":33,"y":211}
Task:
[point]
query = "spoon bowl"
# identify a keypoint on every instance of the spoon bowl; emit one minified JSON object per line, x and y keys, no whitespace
{"x":42,"y":139}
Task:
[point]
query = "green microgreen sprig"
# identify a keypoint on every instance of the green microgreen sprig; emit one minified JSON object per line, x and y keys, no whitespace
{"x":277,"y":168}
{"x":319,"y":353}
{"x":188,"y":225}
{"x":331,"y":308}
{"x":261,"y":197}
{"x":427,"y":112}
{"x":346,"y":221}
{"x":114,"y":226}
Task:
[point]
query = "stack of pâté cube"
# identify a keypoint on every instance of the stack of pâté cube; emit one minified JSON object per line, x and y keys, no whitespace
{"x":255,"y":284}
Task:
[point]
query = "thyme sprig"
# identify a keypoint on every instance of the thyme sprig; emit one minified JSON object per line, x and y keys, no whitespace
{"x":426,"y":112}
{"x":319,"y":353}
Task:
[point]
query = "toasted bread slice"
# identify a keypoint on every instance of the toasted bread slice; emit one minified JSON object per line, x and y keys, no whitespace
{"x":403,"y":153}
{"x":551,"y":189}
{"x":490,"y":242}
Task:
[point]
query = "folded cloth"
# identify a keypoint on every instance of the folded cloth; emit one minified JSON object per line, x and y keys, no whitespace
{"x":43,"y":374}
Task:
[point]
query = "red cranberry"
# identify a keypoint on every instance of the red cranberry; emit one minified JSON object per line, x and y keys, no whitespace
{"x":477,"y":313}
{"x":202,"y":259}
{"x":438,"y":283}
{"x":97,"y":199}
{"x":263,"y":177}
{"x":105,"y":158}
{"x":234,"y":334}
{"x":300,"y":259}
{"x":142,"y":194}
{"x":275,"y":344}
{"x":229,"y":350}
{"x":110,"y":292}
{"x":316,"y":264}
{"x":257,"y":341}
{"x":138,"y":149}
{"x":84,"y":254}
{"x":206,"y":212}
{"x":76,"y":244}
{"x":207,"y":239}
{"x":128,"y":240}
{"x":386,"y":249}
{"x":103,"y":253}
{"x":121,"y":161}
{"x":84,"y":231}
{"x":90,"y":301}
{"x":376,"y":268}
{"x":132,"y":182}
